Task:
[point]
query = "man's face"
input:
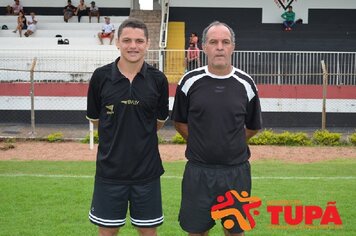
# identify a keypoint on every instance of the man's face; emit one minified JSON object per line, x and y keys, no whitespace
{"x":132,"y":44}
{"x":218,"y":47}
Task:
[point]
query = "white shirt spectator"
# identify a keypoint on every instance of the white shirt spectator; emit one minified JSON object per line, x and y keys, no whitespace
{"x":108,"y":28}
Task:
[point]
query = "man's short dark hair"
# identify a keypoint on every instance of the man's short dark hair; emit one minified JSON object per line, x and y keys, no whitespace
{"x":133,"y":23}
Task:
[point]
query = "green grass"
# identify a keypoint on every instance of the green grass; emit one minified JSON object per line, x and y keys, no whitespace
{"x":53,"y":198}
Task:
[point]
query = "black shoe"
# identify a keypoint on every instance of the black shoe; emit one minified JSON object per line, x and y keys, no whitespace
{"x":66,"y":41}
{"x":60,"y":41}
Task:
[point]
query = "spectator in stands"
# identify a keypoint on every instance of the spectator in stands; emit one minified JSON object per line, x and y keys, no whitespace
{"x":69,"y":11}
{"x":21,"y":23}
{"x":194,"y":39}
{"x":288,"y":17}
{"x":94,"y":11}
{"x":108,"y":31}
{"x":193,"y":57}
{"x":14,"y":9}
{"x":82,"y":10}
{"x":31,"y":24}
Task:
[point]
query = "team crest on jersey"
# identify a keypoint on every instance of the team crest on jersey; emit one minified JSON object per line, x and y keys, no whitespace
{"x":109,"y":109}
{"x":284,"y":3}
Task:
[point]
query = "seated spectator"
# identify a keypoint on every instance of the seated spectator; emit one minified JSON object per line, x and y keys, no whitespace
{"x":94,"y":11}
{"x":288,"y":17}
{"x":108,"y":31}
{"x":193,"y":57}
{"x":31,"y":24}
{"x":81,"y":10}
{"x":21,"y":23}
{"x":14,"y":9}
{"x":69,"y":11}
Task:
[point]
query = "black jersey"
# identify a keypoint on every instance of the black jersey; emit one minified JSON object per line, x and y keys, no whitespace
{"x":128,"y":114}
{"x":217,"y":109}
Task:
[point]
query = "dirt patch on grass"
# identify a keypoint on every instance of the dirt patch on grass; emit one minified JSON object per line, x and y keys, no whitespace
{"x":75,"y":151}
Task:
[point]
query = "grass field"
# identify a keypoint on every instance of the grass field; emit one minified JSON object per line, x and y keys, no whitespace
{"x":53,"y":198}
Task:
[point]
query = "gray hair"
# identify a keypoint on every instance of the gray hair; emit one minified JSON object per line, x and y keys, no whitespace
{"x":215,"y":23}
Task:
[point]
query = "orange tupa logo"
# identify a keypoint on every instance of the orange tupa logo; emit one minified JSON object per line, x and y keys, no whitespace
{"x":223,"y":209}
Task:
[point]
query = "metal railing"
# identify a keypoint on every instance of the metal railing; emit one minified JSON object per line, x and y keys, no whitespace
{"x":280,"y":67}
{"x":266,"y":67}
{"x":164,"y":24}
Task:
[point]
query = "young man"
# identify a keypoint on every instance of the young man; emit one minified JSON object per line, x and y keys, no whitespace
{"x":107,"y":31}
{"x":129,"y":100}
{"x":68,"y":11}
{"x":216,"y":109}
{"x":289,"y":17}
{"x":94,"y":11}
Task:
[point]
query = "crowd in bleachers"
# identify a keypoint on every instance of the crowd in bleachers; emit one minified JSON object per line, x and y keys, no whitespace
{"x":22,"y":20}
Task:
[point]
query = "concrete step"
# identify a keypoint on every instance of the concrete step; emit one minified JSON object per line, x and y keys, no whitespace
{"x":5,"y":19}
{"x":90,"y":43}
{"x":64,"y":26}
{"x":53,"y":33}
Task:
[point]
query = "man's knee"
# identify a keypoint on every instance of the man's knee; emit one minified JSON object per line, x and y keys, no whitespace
{"x":103,"y":231}
{"x":147,"y":231}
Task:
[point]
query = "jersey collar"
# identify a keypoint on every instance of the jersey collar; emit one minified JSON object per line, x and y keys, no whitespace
{"x":219,"y":76}
{"x":116,"y":75}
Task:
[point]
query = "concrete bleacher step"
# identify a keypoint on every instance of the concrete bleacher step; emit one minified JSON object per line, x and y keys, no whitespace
{"x":50,"y":26}
{"x":52,"y":43}
{"x":5,"y":19}
{"x":53,"y":33}
{"x":54,"y":26}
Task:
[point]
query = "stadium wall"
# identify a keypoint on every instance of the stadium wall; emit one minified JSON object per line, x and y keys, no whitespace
{"x":327,"y":25}
{"x":282,"y":105}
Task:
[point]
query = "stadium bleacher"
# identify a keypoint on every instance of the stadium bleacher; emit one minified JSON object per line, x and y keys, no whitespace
{"x":81,"y":35}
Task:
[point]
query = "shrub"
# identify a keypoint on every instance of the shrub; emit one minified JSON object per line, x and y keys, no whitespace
{"x":266,"y":137}
{"x":352,"y":139}
{"x":161,"y":139}
{"x":87,"y":138}
{"x":55,"y":137}
{"x":178,"y":139}
{"x":325,"y":138}
{"x":7,"y":143}
{"x":293,"y":139}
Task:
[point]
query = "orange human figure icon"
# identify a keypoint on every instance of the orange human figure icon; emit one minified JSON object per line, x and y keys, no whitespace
{"x":218,"y":211}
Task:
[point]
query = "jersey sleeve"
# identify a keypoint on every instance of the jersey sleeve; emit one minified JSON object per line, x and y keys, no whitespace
{"x":163,"y":108}
{"x":253,"y":119}
{"x":180,"y":107}
{"x":93,"y":98}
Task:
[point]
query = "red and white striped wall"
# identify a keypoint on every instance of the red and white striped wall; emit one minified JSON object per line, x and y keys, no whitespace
{"x":274,"y":98}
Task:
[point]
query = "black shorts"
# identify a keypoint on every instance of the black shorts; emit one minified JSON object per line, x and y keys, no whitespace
{"x":201,"y":186}
{"x":110,"y":203}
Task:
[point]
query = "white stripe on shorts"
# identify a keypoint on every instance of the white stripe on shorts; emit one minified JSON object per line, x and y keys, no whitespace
{"x":106,"y":222}
{"x":152,"y":222}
